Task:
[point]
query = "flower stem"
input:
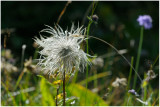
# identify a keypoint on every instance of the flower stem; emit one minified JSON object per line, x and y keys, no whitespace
{"x":88,"y":28}
{"x":130,"y":73}
{"x":19,"y":79}
{"x":138,"y":55}
{"x":23,"y":51}
{"x":145,"y":93}
{"x":95,"y":80}
{"x":64,"y":88}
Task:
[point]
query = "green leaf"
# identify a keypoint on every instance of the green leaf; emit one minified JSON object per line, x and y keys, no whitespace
{"x":6,"y":88}
{"x":47,"y":98}
{"x":91,"y":78}
{"x":86,"y":97}
{"x":48,"y":82}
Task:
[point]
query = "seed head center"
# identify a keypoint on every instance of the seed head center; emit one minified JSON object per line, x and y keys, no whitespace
{"x":65,"y":51}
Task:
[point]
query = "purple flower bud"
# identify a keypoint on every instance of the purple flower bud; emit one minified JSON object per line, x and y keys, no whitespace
{"x":95,"y":18}
{"x":145,"y":21}
{"x":132,"y":91}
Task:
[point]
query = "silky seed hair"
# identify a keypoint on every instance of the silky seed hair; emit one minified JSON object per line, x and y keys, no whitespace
{"x":61,"y":51}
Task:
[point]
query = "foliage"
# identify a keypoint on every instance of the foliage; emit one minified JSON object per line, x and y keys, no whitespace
{"x":26,"y":85}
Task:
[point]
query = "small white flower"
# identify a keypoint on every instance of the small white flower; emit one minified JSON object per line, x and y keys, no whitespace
{"x":151,"y":75}
{"x":61,"y":52}
{"x":119,"y":81}
{"x":98,"y":62}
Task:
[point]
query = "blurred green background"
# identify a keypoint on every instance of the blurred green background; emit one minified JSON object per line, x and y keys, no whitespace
{"x":117,"y":25}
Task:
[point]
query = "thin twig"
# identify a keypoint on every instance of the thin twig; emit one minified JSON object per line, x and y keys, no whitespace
{"x":62,"y":12}
{"x":7,"y":33}
{"x":155,"y":60}
{"x":86,"y":13}
{"x":155,"y":101}
{"x":119,"y":54}
{"x":19,"y":79}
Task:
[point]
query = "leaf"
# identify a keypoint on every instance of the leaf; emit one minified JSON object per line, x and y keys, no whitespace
{"x":86,"y":97}
{"x":47,"y":98}
{"x":48,"y":82}
{"x":144,"y":84}
{"x":91,"y":78}
{"x":6,"y":88}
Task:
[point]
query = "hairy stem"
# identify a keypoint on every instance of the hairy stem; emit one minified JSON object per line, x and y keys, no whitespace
{"x":64,"y":88}
{"x":57,"y":97}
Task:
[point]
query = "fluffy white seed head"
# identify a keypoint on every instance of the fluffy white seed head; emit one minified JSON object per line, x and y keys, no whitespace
{"x":61,"y":52}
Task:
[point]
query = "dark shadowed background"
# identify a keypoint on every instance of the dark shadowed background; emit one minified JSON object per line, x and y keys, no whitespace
{"x":117,"y":25}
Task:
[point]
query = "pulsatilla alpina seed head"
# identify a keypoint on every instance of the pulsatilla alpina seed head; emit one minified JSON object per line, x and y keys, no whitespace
{"x":61,"y":52}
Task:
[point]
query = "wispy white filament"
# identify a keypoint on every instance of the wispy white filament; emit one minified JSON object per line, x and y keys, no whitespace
{"x":61,"y":52}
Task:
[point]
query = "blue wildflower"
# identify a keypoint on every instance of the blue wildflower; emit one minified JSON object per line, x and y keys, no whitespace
{"x":132,"y":91}
{"x":145,"y":21}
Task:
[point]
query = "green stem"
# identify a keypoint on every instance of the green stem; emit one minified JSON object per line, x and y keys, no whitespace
{"x":128,"y":101}
{"x":144,"y":89}
{"x":36,"y":53}
{"x":19,"y":79}
{"x":130,"y":73}
{"x":155,"y":61}
{"x":95,"y":81}
{"x":138,"y":56}
{"x":88,"y":28}
{"x":145,"y":93}
{"x":13,"y":99}
{"x":75,"y":77}
{"x":129,"y":79}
